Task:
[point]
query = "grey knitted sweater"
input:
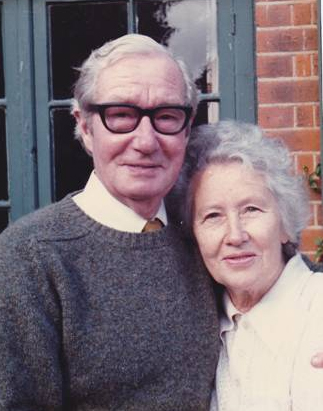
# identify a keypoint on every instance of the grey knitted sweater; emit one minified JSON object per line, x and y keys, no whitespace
{"x":96,"y":319}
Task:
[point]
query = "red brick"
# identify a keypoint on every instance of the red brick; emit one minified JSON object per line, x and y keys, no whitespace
{"x":303,"y":65}
{"x":288,"y":91}
{"x":317,"y":115}
{"x":292,"y":39}
{"x":274,"y":66}
{"x":314,"y":13}
{"x":314,"y":195}
{"x":299,"y":139}
{"x":319,"y":214}
{"x":280,"y":40}
{"x":311,"y":220}
{"x":317,"y":158}
{"x":304,"y":160}
{"x":310,"y":39}
{"x":315,"y":64}
{"x":309,"y":237}
{"x":302,"y":14}
{"x":276,"y":117}
{"x":273,"y":15}
{"x":305,"y":116}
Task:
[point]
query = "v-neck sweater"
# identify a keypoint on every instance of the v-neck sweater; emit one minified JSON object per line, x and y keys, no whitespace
{"x":93,"y":318}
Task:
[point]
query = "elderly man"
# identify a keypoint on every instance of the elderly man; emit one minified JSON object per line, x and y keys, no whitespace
{"x":96,"y":314}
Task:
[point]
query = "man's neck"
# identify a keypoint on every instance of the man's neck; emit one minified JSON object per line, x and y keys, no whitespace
{"x":97,"y":202}
{"x":146,"y":209}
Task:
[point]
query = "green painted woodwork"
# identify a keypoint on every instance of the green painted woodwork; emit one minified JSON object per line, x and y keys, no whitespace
{"x":18,"y":70}
{"x":29,"y":99}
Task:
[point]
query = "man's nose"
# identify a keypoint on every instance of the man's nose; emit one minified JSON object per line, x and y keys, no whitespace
{"x":236,"y":233}
{"x":145,"y":137}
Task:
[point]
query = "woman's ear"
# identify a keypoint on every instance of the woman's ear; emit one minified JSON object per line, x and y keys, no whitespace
{"x":284,"y":237}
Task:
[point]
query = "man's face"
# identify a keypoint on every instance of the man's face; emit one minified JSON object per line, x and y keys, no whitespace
{"x":139,"y":167}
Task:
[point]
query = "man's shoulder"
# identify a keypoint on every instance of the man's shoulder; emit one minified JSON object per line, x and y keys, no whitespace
{"x":54,"y":220}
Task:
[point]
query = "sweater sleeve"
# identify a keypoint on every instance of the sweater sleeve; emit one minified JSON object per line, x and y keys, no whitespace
{"x":30,"y":342}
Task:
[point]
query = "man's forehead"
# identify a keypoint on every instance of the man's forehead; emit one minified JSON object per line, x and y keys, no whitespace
{"x":128,"y":64}
{"x":133,"y":75}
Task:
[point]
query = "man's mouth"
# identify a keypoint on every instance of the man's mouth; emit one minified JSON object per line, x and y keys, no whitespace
{"x":143,"y":168}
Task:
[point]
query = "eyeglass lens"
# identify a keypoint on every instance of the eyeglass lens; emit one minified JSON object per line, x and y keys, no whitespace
{"x":126,"y":119}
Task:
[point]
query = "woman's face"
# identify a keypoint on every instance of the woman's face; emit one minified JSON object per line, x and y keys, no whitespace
{"x":238,"y":229}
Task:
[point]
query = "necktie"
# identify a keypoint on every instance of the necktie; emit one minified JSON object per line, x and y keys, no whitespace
{"x":153,"y":225}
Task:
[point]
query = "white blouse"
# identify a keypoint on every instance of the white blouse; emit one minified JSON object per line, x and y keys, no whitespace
{"x":265,"y":357}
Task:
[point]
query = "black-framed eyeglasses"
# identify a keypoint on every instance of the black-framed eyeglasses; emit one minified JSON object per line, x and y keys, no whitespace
{"x":124,"y":118}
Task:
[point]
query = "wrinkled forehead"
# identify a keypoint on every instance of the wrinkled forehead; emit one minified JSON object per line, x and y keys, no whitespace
{"x":157,"y":72}
{"x":120,"y":61}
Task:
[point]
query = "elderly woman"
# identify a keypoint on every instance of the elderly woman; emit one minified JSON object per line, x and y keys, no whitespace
{"x":246,"y":210}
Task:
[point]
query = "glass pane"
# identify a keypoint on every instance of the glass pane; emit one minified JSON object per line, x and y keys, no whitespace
{"x":72,"y":164}
{"x":208,"y":112}
{"x":2,"y":94}
{"x":3,"y":219}
{"x":77,"y":29}
{"x":3,"y":158}
{"x":188,"y":27}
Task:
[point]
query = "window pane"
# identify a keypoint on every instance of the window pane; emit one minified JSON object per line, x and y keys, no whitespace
{"x":188,"y":27}
{"x":3,"y":219}
{"x":2,"y":94}
{"x":72,"y":164}
{"x":3,"y":158}
{"x":77,"y":29}
{"x":208,"y":112}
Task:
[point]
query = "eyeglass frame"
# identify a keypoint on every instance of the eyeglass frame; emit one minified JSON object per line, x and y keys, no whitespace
{"x":100,"y":109}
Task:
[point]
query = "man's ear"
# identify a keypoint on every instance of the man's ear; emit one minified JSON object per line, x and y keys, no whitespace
{"x":189,"y":127}
{"x":84,"y":130}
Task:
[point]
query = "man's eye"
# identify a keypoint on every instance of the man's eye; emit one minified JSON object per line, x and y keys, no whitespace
{"x":169,"y":115}
{"x":166,"y":117}
{"x":121,"y":114}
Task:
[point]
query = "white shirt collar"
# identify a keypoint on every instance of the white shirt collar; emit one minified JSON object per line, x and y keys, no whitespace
{"x":277,"y":309}
{"x":227,"y":321}
{"x":96,"y":201}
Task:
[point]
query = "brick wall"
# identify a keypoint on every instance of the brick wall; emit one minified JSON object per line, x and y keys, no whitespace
{"x":288,"y":87}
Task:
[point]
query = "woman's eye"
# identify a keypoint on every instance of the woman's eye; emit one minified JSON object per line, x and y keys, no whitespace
{"x":252,"y":209}
{"x":212,"y":216}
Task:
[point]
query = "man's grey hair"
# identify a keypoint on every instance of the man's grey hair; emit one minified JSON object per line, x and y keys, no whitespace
{"x":229,"y":141}
{"x":110,"y":53}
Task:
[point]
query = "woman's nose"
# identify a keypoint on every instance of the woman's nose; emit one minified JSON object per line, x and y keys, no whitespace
{"x":236,"y":233}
